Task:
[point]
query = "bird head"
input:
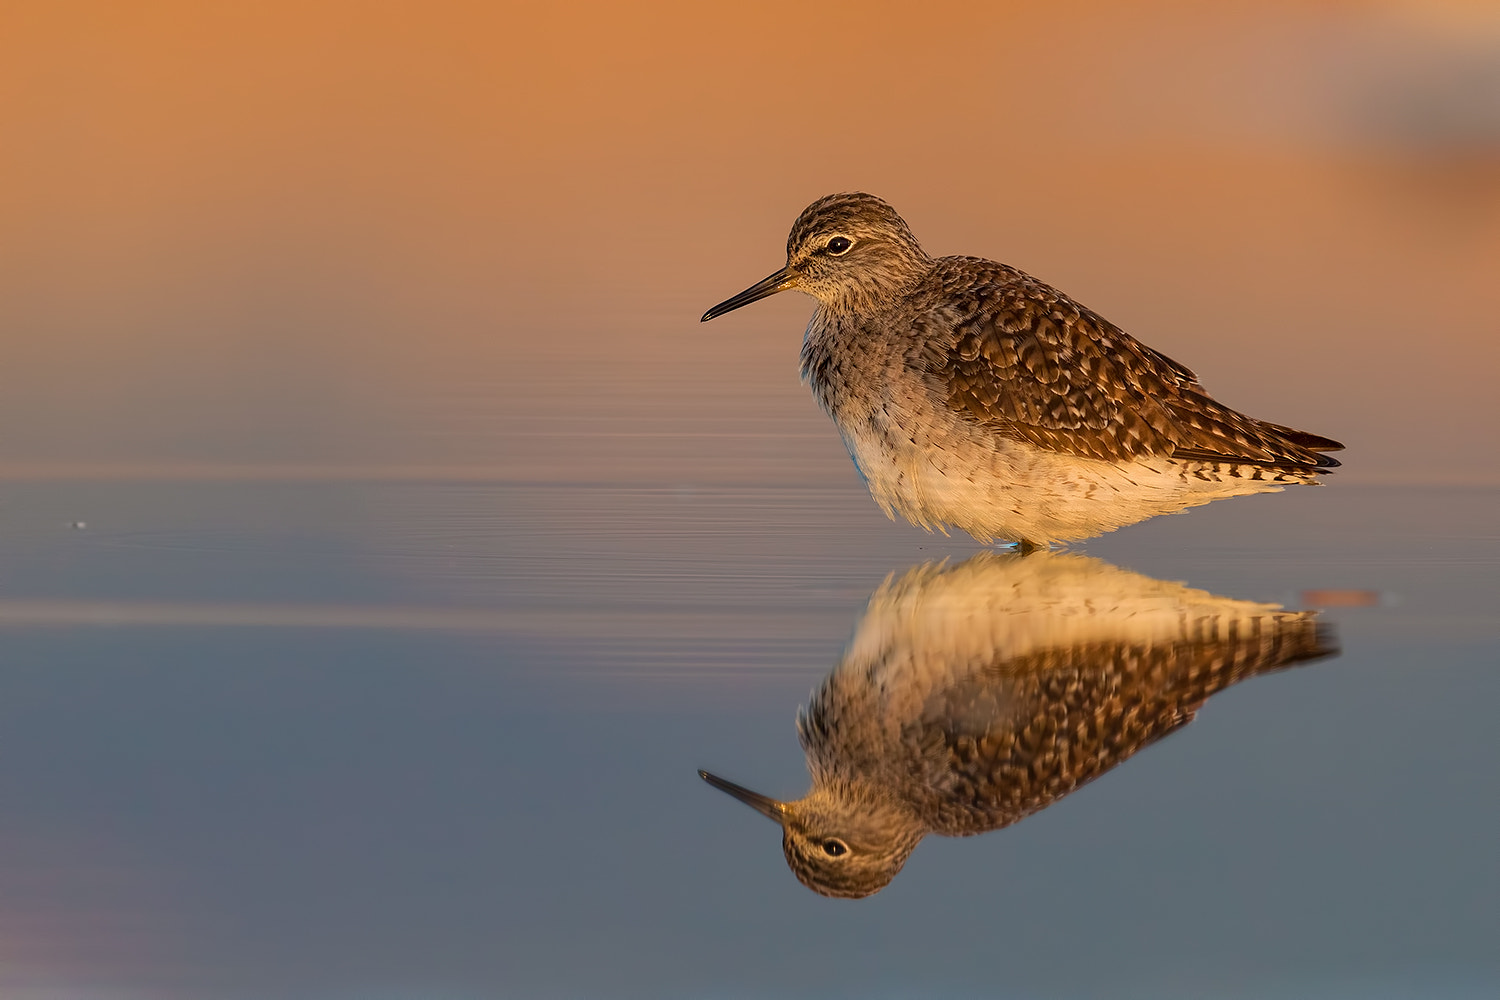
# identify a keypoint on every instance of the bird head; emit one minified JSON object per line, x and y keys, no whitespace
{"x":845,"y":250}
{"x":847,"y":843}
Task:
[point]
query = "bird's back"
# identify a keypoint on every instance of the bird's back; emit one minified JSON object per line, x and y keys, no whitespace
{"x":1021,"y":358}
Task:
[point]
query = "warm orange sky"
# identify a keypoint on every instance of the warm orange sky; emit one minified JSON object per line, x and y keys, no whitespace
{"x":398,"y":232}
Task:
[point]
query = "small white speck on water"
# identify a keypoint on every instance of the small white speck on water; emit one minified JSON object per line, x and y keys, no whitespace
{"x":79,"y":525}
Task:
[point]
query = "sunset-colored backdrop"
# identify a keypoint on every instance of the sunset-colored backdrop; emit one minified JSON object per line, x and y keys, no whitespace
{"x":329,"y":237}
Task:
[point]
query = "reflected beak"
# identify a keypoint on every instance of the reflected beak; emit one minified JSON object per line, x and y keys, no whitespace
{"x":778,"y":282}
{"x":760,"y":803}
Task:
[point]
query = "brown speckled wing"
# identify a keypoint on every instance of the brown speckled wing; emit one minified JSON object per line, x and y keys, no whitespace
{"x":1060,"y":718}
{"x":1023,"y":360}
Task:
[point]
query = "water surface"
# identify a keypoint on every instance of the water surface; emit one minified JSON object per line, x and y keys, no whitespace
{"x":349,"y":739}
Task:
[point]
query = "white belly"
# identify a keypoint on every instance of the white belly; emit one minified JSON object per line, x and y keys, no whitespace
{"x":999,"y":489}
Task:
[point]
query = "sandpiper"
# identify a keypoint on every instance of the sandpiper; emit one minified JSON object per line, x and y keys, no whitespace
{"x":972,"y":696}
{"x":973,"y":396}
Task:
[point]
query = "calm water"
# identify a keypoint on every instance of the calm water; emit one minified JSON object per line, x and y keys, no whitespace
{"x":438,"y":738}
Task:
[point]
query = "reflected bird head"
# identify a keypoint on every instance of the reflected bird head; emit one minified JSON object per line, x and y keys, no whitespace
{"x":845,"y":250}
{"x":839,"y":842}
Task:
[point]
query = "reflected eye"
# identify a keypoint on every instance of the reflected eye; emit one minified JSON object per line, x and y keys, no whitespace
{"x":835,"y":848}
{"x":838,"y":246}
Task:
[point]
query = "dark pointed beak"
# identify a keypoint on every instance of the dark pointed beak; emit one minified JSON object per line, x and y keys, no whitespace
{"x":760,"y":803}
{"x":778,"y":282}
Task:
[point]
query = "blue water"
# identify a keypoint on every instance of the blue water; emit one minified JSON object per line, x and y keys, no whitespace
{"x":368,"y":738}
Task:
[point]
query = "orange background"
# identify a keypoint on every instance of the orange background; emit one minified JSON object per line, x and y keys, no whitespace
{"x":397,"y":235}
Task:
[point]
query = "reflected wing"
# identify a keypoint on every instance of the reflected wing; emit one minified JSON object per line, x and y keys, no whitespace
{"x":1059,"y":718}
{"x":1027,"y":362}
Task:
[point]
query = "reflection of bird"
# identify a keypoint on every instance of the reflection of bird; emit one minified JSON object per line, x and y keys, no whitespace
{"x":974,"y":396}
{"x":971,"y":696}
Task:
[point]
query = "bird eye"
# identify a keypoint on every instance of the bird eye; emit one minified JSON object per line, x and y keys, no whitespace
{"x":835,"y":848}
{"x":839,"y":245}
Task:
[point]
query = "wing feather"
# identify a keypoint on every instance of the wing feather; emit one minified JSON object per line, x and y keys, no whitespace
{"x":1021,"y":358}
